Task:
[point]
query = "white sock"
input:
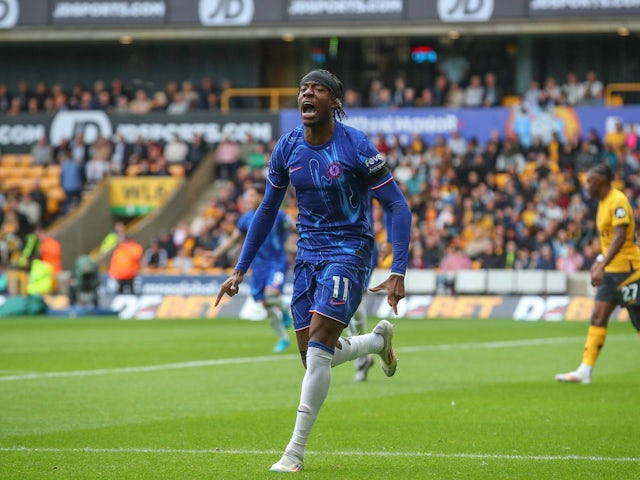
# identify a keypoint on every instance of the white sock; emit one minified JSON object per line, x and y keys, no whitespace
{"x":354,"y":347}
{"x":275,"y":320}
{"x":315,"y":386}
{"x":585,"y":369}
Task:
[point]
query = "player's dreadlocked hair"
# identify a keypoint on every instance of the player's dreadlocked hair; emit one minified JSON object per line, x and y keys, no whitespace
{"x":333,"y":84}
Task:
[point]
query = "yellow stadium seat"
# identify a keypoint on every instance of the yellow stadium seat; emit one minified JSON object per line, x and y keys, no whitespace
{"x":18,"y":171}
{"x":27,"y":184}
{"x":35,"y":171}
{"x":5,"y":171}
{"x":11,"y":183}
{"x":53,"y":170}
{"x":10,"y":159}
{"x":26,"y":159}
{"x":49,"y":182}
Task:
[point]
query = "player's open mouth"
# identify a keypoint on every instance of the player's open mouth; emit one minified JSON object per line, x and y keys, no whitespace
{"x":308,"y":109}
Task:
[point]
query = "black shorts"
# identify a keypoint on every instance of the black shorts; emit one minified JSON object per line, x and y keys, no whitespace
{"x":608,"y":289}
{"x":612,"y":291}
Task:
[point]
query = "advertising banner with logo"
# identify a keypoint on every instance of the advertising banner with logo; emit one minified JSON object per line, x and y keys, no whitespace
{"x":431,"y":122}
{"x":348,"y":10}
{"x":581,"y":8}
{"x":465,"y":10}
{"x":187,"y":306}
{"x":103,"y":12}
{"x":241,"y":13}
{"x":192,"y":296}
{"x":19,"y":133}
{"x":133,"y":196}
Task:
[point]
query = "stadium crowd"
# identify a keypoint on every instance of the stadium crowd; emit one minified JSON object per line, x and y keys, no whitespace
{"x":501,"y":204}
{"x":450,"y":88}
{"x":497,"y":205}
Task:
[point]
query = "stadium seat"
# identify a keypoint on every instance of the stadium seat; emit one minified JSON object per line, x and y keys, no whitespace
{"x":53,"y":170}
{"x":35,"y":171}
{"x":10,"y":159}
{"x":26,"y":159}
{"x":471,"y":282}
{"x":49,"y":182}
{"x":5,"y":171}
{"x":530,"y":282}
{"x":501,"y":282}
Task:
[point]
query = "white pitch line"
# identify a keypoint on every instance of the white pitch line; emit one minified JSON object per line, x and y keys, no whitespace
{"x":220,"y":451}
{"x":277,"y":358}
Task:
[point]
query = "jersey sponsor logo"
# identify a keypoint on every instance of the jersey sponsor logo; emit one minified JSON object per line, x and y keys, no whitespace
{"x":375,"y":163}
{"x":9,"y":13}
{"x":294,"y":169}
{"x":333,"y":301}
{"x":334,"y":170}
{"x":620,"y":212}
{"x":465,"y":10}
{"x":226,"y":12}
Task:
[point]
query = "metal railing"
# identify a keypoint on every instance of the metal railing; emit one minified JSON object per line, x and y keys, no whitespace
{"x":274,"y":95}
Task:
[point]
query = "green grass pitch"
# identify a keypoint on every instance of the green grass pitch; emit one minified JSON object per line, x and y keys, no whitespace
{"x":102,"y":398}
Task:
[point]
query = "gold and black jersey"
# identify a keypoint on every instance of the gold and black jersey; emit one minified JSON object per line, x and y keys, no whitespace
{"x":615,"y":210}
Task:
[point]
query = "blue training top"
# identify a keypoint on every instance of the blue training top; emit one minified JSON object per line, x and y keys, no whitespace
{"x":332,"y":183}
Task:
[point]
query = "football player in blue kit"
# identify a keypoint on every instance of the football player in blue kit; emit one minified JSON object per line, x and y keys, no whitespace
{"x":333,"y":169}
{"x":270,"y":265}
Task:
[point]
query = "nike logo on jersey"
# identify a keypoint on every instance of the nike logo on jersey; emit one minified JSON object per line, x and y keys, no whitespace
{"x":294,"y":169}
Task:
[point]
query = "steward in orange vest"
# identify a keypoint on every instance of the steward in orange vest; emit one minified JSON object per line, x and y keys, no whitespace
{"x":125,"y":264}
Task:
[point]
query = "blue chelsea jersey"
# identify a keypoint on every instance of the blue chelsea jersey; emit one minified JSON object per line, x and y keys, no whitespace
{"x":332,"y":188}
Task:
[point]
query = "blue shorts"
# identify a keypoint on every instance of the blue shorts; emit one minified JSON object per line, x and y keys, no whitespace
{"x":333,"y":289}
{"x":265,"y":275}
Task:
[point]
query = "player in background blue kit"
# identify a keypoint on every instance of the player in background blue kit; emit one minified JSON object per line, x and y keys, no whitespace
{"x":333,"y":168}
{"x":269,"y":266}
{"x":358,"y":324}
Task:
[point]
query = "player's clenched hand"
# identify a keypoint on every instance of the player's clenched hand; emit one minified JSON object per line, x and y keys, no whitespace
{"x":230,"y":286}
{"x":394,"y":286}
